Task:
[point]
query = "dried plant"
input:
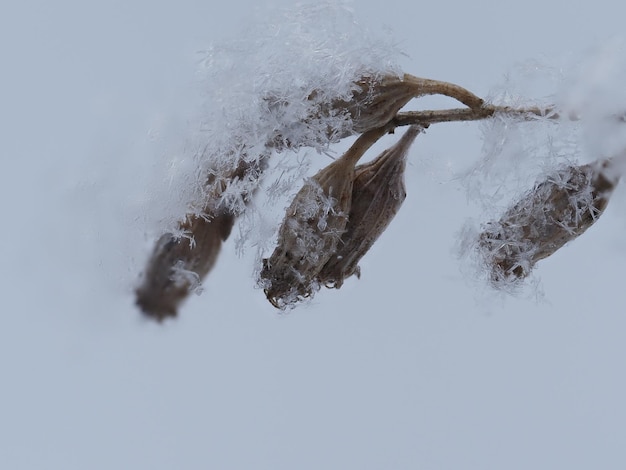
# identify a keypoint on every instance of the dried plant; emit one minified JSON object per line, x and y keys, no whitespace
{"x":376,"y":101}
{"x":179,"y":262}
{"x":341,"y":211}
{"x":553,"y":213}
{"x":378,"y":192}
{"x":313,"y":226}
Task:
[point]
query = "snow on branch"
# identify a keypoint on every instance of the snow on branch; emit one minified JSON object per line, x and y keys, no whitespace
{"x":293,"y":88}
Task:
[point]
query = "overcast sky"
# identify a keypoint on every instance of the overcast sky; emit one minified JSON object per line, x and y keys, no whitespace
{"x":411,"y":367}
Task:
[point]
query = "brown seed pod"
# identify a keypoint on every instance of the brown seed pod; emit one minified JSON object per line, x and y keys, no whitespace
{"x":178,"y":264}
{"x":374,"y":102}
{"x":377,"y":194}
{"x":555,"y":212}
{"x":312,"y":227}
{"x":378,"y":100}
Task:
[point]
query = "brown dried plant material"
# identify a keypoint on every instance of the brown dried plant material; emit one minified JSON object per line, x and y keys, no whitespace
{"x":379,"y":99}
{"x":178,"y":264}
{"x":378,"y":192}
{"x":309,"y":237}
{"x":554,"y":213}
{"x":374,"y":103}
{"x":312,"y":227}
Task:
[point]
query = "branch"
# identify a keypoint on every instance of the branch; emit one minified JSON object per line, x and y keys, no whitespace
{"x":425,"y":118}
{"x":177,"y":266}
{"x":434,"y":116}
{"x":426,"y":86}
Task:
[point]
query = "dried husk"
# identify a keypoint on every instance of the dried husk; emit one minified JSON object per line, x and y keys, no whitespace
{"x":378,"y":99}
{"x":179,"y":263}
{"x":374,"y":103}
{"x":312,"y":227}
{"x":378,"y":192}
{"x":555,"y":212}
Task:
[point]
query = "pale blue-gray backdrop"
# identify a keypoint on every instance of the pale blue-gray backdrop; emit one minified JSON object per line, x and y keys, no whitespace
{"x":404,"y":369}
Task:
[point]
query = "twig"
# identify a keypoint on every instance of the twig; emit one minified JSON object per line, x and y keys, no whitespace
{"x":425,"y":118}
{"x":426,"y":86}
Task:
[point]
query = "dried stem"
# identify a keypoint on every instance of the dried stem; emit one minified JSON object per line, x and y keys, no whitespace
{"x":425,"y":118}
{"x":426,"y":86}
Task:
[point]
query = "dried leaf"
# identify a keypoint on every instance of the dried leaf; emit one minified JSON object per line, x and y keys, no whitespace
{"x":374,"y":103}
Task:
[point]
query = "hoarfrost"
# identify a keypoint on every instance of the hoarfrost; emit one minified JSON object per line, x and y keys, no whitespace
{"x":259,"y":88}
{"x":185,"y":277}
{"x":517,"y":154}
{"x":252,"y":96}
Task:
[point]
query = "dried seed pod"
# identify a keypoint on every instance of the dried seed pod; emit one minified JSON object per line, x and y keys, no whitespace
{"x":312,"y":227}
{"x":377,"y":194}
{"x":379,"y":99}
{"x":374,"y":102}
{"x":178,"y":264}
{"x":555,"y":212}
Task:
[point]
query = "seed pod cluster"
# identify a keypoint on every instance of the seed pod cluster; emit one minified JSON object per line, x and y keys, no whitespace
{"x":313,"y":225}
{"x":554,"y":213}
{"x":333,"y":220}
{"x":378,"y":192}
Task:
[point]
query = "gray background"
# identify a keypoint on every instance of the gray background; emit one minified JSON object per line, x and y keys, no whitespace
{"x":403,"y":369}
